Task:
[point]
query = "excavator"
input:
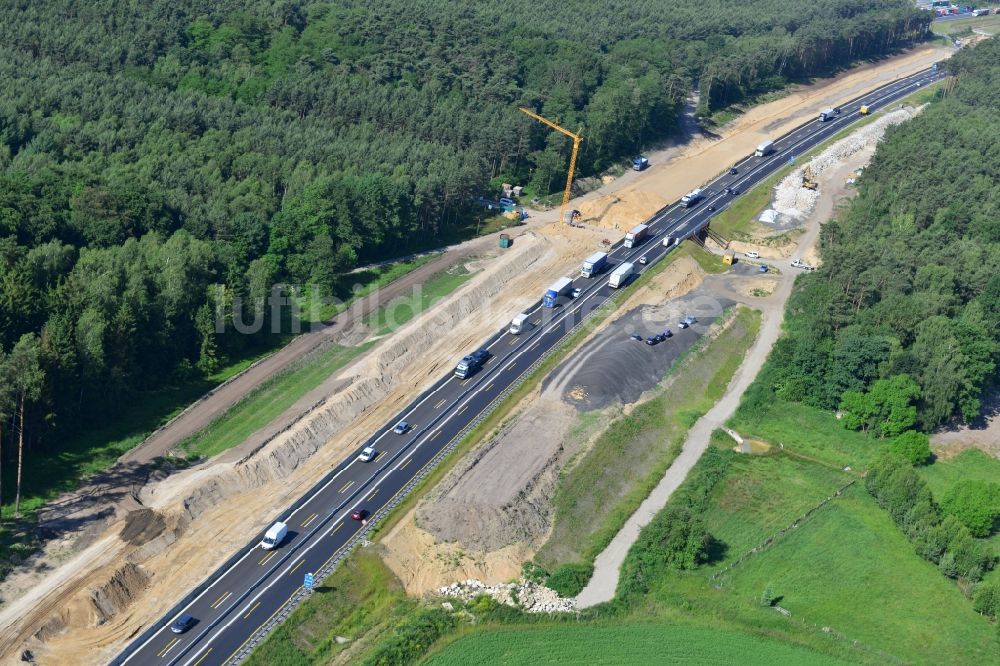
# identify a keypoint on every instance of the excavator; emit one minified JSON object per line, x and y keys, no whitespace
{"x":808,"y":181}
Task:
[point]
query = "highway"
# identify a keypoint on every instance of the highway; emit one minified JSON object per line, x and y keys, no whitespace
{"x":245,"y":598}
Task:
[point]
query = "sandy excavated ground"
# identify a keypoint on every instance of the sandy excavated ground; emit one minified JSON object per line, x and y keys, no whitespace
{"x":88,"y":606}
{"x":493,"y":511}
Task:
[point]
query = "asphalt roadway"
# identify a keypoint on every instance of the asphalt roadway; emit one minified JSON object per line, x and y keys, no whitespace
{"x":241,"y":600}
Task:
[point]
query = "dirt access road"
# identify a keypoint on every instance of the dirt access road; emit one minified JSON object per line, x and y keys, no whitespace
{"x":607,"y":565}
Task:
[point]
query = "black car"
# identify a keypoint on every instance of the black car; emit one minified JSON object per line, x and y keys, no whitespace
{"x":733,"y":171}
{"x":734,"y":191}
{"x":636,"y":336}
{"x":183,"y":623}
{"x":667,"y":334}
{"x":653,"y":340}
{"x":711,"y":208}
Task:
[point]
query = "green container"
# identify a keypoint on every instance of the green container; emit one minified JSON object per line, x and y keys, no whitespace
{"x":505,"y":241}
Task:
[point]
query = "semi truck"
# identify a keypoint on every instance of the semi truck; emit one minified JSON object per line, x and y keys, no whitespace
{"x":691,"y":198}
{"x":594,"y":264}
{"x":518,"y":324}
{"x":634,"y":237}
{"x":621,"y":275}
{"x":827,"y":114}
{"x":765,"y":148}
{"x":560,"y":287}
{"x":469,"y":364}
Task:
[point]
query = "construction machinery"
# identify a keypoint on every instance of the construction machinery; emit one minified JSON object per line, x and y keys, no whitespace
{"x":572,"y":160}
{"x":808,"y":181}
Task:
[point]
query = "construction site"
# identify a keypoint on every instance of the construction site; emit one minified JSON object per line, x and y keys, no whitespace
{"x":91,"y":591}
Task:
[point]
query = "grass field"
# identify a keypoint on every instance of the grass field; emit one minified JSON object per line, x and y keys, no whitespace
{"x":764,"y":494}
{"x":397,"y":312}
{"x":809,"y":432}
{"x":361,"y":596}
{"x":264,"y":404}
{"x":850,"y":568}
{"x":956,"y":27}
{"x":596,"y":496}
{"x":633,"y":644}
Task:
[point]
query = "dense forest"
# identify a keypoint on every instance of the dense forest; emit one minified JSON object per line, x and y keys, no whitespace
{"x":151,"y":152}
{"x":900,"y":327}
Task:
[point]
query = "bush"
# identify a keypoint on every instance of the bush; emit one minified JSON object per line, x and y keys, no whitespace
{"x":914,"y":446}
{"x":946,"y":541}
{"x":570,"y":579}
{"x":986,"y":599}
{"x":975,"y":503}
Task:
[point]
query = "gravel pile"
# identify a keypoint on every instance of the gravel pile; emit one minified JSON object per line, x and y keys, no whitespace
{"x":525,"y":595}
{"x":791,"y":200}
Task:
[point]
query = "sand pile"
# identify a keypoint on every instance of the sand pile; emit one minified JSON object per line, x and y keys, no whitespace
{"x":621,"y":211}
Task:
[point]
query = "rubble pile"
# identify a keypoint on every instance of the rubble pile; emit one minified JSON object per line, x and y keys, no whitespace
{"x":527,"y":596}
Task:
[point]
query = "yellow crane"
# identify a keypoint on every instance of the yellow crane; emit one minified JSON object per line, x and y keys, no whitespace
{"x":572,"y":160}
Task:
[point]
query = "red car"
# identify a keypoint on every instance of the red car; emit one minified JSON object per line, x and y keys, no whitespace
{"x":359,"y":514}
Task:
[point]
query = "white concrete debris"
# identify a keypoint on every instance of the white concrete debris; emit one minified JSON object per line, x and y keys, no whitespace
{"x":768,"y":216}
{"x":791,"y":200}
{"x":527,"y":596}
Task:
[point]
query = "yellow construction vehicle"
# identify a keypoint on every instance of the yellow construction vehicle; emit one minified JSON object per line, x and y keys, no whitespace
{"x":808,"y":181}
{"x":864,"y":110}
{"x":572,"y":161}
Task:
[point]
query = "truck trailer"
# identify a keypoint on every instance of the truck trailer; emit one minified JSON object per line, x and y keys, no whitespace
{"x":518,"y":324}
{"x":691,"y":198}
{"x":560,"y":287}
{"x":621,"y":275}
{"x":636,"y":235}
{"x":763,"y":149}
{"x":594,"y":264}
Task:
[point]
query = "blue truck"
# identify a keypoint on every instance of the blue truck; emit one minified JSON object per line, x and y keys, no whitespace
{"x":640,"y":163}
{"x":560,"y":287}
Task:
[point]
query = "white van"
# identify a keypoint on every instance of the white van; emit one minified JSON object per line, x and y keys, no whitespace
{"x":274,"y":536}
{"x":518,"y":324}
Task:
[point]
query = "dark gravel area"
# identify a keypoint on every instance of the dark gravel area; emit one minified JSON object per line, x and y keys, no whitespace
{"x":618,"y":369}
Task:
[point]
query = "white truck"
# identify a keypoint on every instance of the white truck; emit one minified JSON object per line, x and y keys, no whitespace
{"x":827,"y":114}
{"x":671,"y":241}
{"x":691,"y":198}
{"x":798,"y":263}
{"x":636,"y":235}
{"x":594,"y":264}
{"x":621,"y":275}
{"x":763,"y":149}
{"x":274,"y":536}
{"x":518,"y":324}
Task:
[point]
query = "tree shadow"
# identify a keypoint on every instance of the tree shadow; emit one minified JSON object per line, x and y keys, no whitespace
{"x":715,"y":550}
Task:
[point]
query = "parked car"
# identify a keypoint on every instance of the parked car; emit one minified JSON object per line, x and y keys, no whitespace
{"x":367,"y":454}
{"x":687,"y":321}
{"x":359,"y":514}
{"x":401,"y":428}
{"x":667,"y":334}
{"x":183,"y":623}
{"x":762,"y":269}
{"x":751,"y":255}
{"x":654,"y":339}
{"x":636,"y":336}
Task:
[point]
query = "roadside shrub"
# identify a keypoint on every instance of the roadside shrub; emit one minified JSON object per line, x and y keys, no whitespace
{"x":533,"y":572}
{"x":412,"y":637}
{"x":570,"y":579}
{"x":914,"y":446}
{"x":975,"y":503}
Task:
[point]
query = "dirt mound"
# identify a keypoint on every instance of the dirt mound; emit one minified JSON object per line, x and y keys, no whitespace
{"x":622,"y":210}
{"x":141,"y":526}
{"x":501,"y":493}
